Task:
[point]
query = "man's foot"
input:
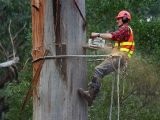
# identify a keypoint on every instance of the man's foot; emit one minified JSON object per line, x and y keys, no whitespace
{"x":86,"y":95}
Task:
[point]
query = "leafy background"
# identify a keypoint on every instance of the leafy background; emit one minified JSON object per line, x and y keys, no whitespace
{"x":139,"y":87}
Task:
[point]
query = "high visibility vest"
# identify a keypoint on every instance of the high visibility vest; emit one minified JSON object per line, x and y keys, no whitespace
{"x":127,"y":46}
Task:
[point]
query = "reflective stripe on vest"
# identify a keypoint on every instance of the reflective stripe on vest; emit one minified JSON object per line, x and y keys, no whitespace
{"x":124,"y":43}
{"x":127,"y":46}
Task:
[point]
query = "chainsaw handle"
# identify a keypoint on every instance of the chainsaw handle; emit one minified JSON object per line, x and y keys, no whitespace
{"x":94,"y":35}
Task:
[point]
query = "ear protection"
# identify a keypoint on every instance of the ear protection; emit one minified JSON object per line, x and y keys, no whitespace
{"x":125,"y":18}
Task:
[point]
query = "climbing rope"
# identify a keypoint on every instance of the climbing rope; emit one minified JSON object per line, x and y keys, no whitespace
{"x":69,"y":56}
{"x":117,"y":77}
{"x":123,"y":78}
{"x":112,"y":93}
{"x":118,"y":72}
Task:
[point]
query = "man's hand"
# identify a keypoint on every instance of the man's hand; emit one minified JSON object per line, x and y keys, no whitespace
{"x":94,"y":35}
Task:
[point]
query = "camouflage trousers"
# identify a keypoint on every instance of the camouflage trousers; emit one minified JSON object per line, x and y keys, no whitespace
{"x":110,"y":64}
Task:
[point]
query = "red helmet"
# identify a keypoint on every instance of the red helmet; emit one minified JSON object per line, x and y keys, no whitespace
{"x":124,"y":13}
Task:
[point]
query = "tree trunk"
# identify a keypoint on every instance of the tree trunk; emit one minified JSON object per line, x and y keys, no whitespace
{"x":59,"y":27}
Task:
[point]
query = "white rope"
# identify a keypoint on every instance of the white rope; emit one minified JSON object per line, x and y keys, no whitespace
{"x":71,"y":56}
{"x":124,"y":74}
{"x":117,"y":76}
{"x":112,"y":93}
{"x":118,"y":105}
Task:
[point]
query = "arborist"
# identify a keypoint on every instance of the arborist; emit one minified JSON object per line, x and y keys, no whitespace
{"x":122,"y":50}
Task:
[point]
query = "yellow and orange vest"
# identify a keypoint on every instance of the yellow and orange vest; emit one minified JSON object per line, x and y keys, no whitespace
{"x":126,"y":46}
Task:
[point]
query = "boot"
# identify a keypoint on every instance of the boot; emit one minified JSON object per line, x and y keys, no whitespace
{"x":90,"y":94}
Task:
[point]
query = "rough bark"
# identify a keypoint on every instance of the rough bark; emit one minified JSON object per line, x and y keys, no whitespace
{"x":60,"y":29}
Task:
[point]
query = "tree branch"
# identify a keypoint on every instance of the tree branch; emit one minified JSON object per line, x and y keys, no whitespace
{"x":3,"y":50}
{"x":15,"y":36}
{"x":10,"y":34}
{"x":9,"y":63}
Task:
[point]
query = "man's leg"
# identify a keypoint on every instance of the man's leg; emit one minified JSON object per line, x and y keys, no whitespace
{"x":106,"y":67}
{"x":93,"y":89}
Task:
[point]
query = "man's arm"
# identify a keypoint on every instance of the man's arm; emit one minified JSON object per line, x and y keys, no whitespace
{"x":122,"y":34}
{"x":102,"y":35}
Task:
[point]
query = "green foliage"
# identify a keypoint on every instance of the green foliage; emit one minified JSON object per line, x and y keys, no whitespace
{"x":101,"y":14}
{"x":15,"y":95}
{"x":139,"y":89}
{"x":18,"y":11}
{"x":148,"y":39}
{"x":139,"y":94}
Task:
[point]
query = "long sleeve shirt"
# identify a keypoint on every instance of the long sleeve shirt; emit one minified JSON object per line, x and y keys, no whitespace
{"x":122,"y":34}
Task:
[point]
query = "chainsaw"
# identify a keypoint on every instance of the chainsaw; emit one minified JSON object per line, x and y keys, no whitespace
{"x":96,"y":42}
